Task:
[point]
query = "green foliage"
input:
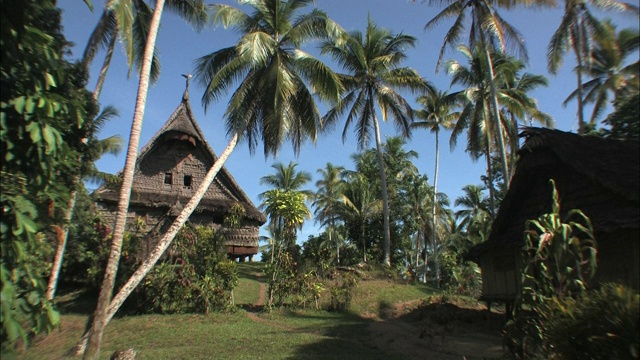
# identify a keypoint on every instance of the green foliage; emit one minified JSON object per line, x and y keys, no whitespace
{"x":341,"y":291}
{"x":43,"y":106}
{"x":559,"y":260}
{"x":196,"y":277}
{"x":602,"y":324}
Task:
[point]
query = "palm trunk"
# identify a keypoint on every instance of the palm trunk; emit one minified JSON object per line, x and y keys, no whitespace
{"x":105,"y":66}
{"x":487,"y":152}
{"x":385,"y":200}
{"x":100,"y":318}
{"x":433,"y":214}
{"x":364,"y":243}
{"x":496,"y":115}
{"x":62,"y":244}
{"x":576,"y":49}
{"x":168,"y":237}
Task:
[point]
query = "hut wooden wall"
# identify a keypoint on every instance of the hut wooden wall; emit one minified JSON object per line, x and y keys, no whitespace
{"x":501,"y":276}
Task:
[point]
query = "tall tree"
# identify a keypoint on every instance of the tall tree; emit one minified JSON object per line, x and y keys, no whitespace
{"x":473,"y":215}
{"x":101,"y":317}
{"x":488,"y":31}
{"x":287,"y":178}
{"x":287,"y":181}
{"x":360,"y":206}
{"x":436,"y":113}
{"x":273,"y":70}
{"x":576,"y":31}
{"x":609,"y":68}
{"x":129,"y":21}
{"x":374,"y":74}
{"x":43,"y":106}
{"x":327,"y":201}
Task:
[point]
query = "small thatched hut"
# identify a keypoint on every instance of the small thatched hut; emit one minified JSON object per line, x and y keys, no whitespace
{"x":599,"y":176}
{"x":168,"y":170}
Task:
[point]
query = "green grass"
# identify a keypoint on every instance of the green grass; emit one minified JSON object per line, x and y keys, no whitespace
{"x":281,"y":334}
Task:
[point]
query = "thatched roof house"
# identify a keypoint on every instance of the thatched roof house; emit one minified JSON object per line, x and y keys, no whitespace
{"x":599,"y":176}
{"x":168,"y":171}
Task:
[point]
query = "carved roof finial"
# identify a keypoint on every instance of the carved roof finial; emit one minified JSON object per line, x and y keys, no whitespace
{"x":186,"y":90}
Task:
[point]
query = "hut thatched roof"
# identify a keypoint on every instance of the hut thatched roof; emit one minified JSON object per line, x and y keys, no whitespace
{"x":182,"y":125}
{"x":596,"y":175}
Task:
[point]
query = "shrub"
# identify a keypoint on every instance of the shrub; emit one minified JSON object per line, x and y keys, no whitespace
{"x":341,"y":291}
{"x":603,"y":324}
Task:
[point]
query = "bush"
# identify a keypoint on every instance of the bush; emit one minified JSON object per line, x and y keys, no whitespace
{"x":603,"y":324}
{"x":341,"y":291}
{"x":196,"y":276}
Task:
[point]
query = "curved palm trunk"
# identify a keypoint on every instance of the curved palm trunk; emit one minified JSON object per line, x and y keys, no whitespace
{"x":166,"y":240}
{"x":385,"y":199}
{"x":106,"y":289}
{"x":62,"y":244}
{"x":487,"y":151}
{"x":105,"y":66}
{"x":433,"y":215}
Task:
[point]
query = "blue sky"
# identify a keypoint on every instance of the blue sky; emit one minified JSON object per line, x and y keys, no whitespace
{"x":179,"y":45}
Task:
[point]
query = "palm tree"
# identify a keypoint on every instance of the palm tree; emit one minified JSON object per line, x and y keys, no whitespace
{"x":248,"y":116}
{"x":474,"y":117}
{"x":287,"y":181}
{"x":436,"y":113}
{"x":92,"y":149}
{"x":359,"y":206}
{"x":327,"y":200}
{"x":474,"y":216}
{"x":575,"y":32}
{"x":287,"y":178}
{"x":609,"y":69}
{"x":129,"y":20}
{"x":488,"y":31}
{"x":101,"y":316}
{"x":287,"y":211}
{"x":372,"y":60}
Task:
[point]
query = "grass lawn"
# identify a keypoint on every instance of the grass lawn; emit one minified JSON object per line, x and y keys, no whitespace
{"x":246,"y":334}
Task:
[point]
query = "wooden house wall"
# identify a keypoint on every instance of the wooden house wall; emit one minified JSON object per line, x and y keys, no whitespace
{"x":180,"y":159}
{"x":619,"y":258}
{"x":501,"y":276}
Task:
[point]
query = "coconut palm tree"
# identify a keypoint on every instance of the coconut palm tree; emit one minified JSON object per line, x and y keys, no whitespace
{"x":101,"y":316}
{"x":287,"y":178}
{"x":359,"y":206}
{"x":609,"y":69}
{"x":327,"y":201}
{"x":129,"y":20}
{"x":474,"y":215}
{"x":436,"y":113}
{"x":488,"y":31}
{"x":248,"y":115}
{"x":576,"y":31}
{"x":374,"y":74}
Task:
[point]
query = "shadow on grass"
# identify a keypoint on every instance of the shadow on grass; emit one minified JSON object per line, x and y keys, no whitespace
{"x":251,"y":271}
{"x":429,"y":331}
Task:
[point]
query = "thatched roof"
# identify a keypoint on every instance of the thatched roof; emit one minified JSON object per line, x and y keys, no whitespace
{"x":596,"y":175}
{"x":182,"y":125}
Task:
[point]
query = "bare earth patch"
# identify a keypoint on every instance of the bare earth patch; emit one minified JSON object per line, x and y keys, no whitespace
{"x":430,"y":329}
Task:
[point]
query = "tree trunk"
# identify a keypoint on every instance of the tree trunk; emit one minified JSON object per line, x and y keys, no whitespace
{"x":495,"y":109}
{"x":100,"y":316}
{"x":433,"y":214}
{"x":105,"y":66}
{"x":62,"y":244}
{"x":168,"y":237}
{"x":576,"y":49}
{"x":385,"y":200}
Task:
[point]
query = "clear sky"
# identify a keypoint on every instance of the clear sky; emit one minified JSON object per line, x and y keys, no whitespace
{"x":179,"y":45}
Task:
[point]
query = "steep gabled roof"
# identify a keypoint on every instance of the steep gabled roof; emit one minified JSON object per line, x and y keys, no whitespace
{"x":183,"y":126}
{"x":597,"y":175}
